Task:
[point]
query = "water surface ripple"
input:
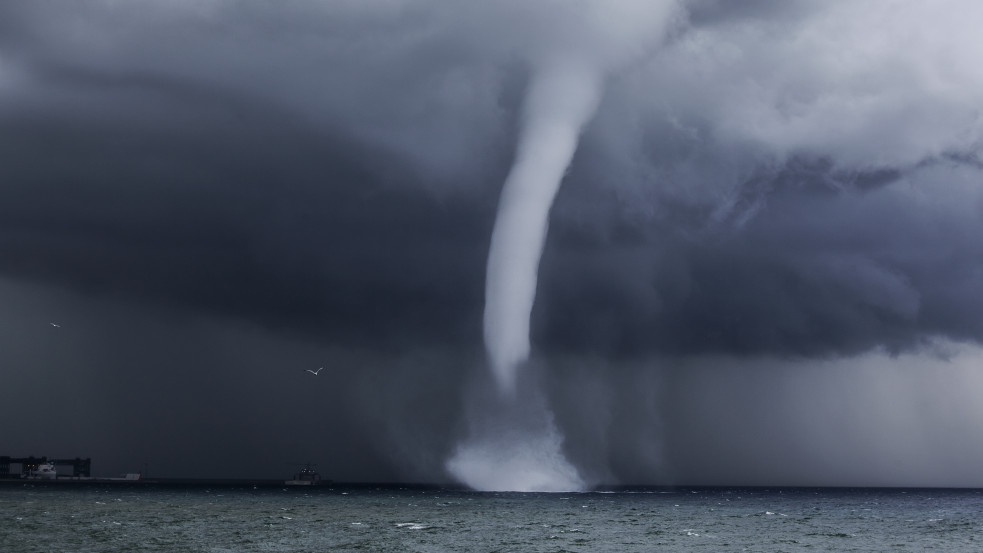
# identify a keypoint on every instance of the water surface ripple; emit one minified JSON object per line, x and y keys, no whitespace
{"x":80,"y":519}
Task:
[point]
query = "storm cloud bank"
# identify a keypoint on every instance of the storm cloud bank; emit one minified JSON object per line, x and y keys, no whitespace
{"x":790,"y":189}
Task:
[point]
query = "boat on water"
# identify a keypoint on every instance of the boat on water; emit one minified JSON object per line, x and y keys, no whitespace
{"x":307,"y":476}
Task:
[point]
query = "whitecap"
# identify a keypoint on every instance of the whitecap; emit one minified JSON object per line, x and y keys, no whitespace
{"x":411,"y":525}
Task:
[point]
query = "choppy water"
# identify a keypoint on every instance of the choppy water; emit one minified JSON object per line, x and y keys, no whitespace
{"x":112,"y":518}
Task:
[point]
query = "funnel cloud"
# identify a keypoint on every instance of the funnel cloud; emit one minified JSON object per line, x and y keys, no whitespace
{"x":563,"y":93}
{"x":559,"y":102}
{"x":762,"y":263}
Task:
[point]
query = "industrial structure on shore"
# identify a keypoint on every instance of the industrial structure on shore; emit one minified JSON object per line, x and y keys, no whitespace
{"x":36,"y":467}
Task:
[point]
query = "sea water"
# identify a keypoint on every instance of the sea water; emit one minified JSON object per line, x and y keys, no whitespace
{"x":60,"y":518}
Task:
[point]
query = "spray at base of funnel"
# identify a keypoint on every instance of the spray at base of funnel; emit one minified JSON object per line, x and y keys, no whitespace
{"x":513,"y":445}
{"x":515,"y":462}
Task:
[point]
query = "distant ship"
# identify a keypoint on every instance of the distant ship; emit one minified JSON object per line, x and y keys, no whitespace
{"x":307,"y":476}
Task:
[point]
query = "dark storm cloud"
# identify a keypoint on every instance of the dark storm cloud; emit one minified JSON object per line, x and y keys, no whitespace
{"x":306,"y":166}
{"x":820,"y":269}
{"x":155,"y":185}
{"x":195,"y":218}
{"x":774,"y":178}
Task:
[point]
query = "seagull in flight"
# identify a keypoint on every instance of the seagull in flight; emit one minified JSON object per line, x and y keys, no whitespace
{"x":55,"y":325}
{"x":314,"y":372}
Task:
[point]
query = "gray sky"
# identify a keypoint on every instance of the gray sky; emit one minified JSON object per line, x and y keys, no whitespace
{"x":763,"y":266}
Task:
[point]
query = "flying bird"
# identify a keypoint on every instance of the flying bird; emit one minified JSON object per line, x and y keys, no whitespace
{"x":59,"y":326}
{"x":314,"y":372}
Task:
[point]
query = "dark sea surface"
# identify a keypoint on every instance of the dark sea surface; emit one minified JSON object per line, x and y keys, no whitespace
{"x":92,"y":518}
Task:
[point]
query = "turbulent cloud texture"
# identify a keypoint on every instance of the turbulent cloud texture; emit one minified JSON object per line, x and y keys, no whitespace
{"x":770,"y":223}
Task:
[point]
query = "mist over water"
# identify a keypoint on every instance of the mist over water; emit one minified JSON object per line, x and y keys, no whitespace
{"x":516,"y":460}
{"x":513,"y":444}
